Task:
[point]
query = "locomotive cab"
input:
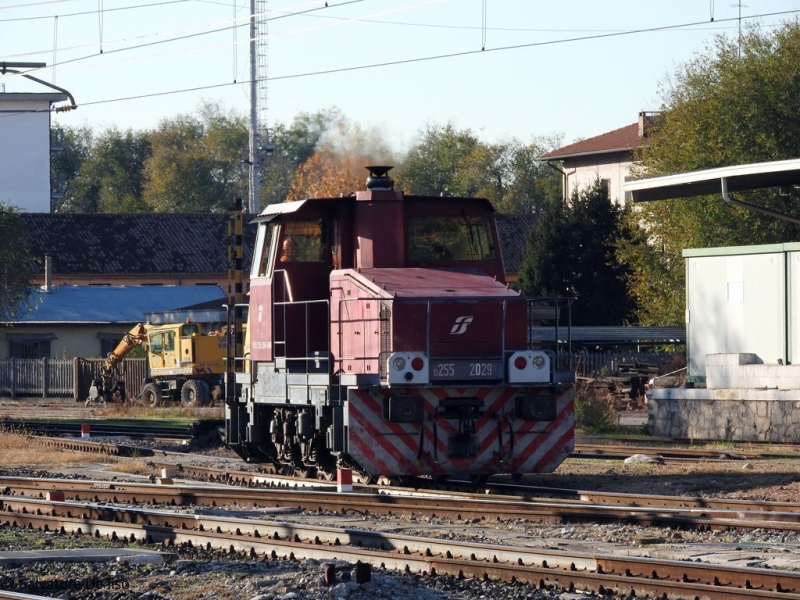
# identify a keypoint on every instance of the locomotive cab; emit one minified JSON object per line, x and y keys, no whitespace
{"x":383,"y":338}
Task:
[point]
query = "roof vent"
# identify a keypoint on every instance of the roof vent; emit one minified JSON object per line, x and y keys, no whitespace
{"x":379,"y":178}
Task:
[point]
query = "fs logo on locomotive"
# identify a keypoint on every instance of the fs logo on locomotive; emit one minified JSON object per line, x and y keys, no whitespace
{"x":460,"y":326}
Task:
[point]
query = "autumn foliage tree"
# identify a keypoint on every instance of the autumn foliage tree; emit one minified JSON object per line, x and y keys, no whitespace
{"x":338,"y":166}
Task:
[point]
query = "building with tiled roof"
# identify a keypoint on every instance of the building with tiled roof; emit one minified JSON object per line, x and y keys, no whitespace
{"x":100,"y":274}
{"x":134,"y":249}
{"x":513,"y":232}
{"x":608,"y":156}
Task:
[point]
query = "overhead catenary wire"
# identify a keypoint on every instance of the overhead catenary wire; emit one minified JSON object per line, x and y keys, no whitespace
{"x":423,"y":59}
{"x":246,"y":23}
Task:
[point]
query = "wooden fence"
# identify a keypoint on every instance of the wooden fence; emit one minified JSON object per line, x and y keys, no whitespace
{"x":55,"y":377}
{"x":72,"y":377}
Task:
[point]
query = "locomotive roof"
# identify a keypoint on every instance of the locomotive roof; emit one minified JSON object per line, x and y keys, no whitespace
{"x":273,"y":211}
{"x":416,"y":282}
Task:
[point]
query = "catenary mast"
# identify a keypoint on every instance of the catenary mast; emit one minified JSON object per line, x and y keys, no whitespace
{"x":259,"y":137}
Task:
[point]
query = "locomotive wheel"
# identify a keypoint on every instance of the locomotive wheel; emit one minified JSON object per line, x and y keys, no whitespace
{"x":305,"y":472}
{"x":151,"y":395}
{"x":326,"y":475}
{"x":195,"y":392}
{"x":363,"y":478}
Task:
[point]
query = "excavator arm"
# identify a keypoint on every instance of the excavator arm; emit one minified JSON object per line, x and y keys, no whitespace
{"x":135,"y":337}
{"x":107,"y":386}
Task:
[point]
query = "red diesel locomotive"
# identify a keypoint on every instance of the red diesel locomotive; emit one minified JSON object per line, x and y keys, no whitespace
{"x":381,"y":337}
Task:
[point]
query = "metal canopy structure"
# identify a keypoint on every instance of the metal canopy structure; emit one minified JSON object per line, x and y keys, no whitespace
{"x":782,"y":173}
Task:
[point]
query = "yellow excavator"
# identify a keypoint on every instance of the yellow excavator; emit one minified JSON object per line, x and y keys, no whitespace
{"x":186,"y":363}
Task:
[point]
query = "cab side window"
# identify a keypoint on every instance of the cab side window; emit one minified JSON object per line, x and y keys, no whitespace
{"x":302,"y":242}
{"x":157,"y":343}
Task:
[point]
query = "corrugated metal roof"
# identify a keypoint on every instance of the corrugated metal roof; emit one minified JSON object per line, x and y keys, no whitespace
{"x":113,"y":304}
{"x":613,"y":335}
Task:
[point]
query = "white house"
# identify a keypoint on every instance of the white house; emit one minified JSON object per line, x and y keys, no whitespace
{"x":608,"y":156}
{"x":25,"y":149}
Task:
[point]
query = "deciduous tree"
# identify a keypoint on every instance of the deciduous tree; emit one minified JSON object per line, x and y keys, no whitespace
{"x":725,"y":107}
{"x":196,"y":164}
{"x":16,"y":265}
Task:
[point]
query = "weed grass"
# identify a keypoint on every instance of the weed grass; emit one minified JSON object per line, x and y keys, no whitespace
{"x":20,"y":450}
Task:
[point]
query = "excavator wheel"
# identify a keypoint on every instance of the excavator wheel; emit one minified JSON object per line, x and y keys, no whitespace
{"x":195,"y":392}
{"x":151,"y":395}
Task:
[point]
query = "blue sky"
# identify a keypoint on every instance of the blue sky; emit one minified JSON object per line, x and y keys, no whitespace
{"x":574,"y":68}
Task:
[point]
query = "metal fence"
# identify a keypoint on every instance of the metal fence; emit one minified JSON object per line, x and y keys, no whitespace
{"x":72,"y":377}
{"x":597,"y":364}
{"x":56,"y":377}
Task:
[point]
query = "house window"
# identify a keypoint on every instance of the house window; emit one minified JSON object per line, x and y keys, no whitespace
{"x":107,"y":346}
{"x":30,"y":345}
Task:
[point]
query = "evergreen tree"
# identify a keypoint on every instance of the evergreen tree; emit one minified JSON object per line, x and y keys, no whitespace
{"x":572,"y":252}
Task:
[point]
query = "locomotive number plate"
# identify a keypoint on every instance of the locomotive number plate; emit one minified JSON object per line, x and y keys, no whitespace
{"x":467,"y":370}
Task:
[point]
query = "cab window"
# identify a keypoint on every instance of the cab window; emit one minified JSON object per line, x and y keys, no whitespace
{"x":157,"y":343}
{"x":450,"y":238}
{"x":266,"y":233}
{"x":301,"y":242}
{"x":169,"y":341}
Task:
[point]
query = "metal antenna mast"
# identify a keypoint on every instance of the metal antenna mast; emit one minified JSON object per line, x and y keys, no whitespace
{"x":259,"y":137}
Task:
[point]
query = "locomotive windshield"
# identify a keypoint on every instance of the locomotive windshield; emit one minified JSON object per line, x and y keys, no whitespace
{"x":451,"y":238}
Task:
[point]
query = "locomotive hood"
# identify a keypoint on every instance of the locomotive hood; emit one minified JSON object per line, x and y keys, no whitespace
{"x":442,"y":312}
{"x":427,"y":283}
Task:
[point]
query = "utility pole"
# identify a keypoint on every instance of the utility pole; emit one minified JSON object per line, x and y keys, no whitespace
{"x":254,"y":203}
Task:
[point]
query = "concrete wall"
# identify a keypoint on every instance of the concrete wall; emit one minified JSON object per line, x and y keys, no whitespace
{"x":746,"y":416}
{"x":745,"y":400}
{"x":73,"y":341}
{"x":25,"y":151}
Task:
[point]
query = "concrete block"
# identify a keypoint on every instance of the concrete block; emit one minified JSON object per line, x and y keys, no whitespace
{"x":721,"y":360}
{"x":789,"y":383}
{"x":749,"y":358}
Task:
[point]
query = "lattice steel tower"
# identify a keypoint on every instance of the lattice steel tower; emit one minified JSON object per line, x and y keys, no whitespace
{"x":259,"y":134}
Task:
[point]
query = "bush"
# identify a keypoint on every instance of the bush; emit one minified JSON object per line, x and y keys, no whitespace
{"x":594,"y":410}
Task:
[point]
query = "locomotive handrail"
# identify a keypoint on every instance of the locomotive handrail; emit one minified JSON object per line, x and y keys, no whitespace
{"x":284,"y":301}
{"x":429,"y":302}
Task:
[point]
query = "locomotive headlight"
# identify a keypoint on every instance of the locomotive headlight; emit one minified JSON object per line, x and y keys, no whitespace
{"x":407,"y":368}
{"x":529,"y":366}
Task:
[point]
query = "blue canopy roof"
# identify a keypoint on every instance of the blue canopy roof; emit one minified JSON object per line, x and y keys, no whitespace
{"x":113,"y":304}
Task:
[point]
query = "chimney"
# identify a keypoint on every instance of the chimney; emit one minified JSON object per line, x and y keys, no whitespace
{"x":648,"y":121}
{"x":48,"y":273}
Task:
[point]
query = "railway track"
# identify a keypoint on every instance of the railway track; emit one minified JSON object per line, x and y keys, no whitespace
{"x":198,"y":429}
{"x":633,"y":576}
{"x":675,"y":512}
